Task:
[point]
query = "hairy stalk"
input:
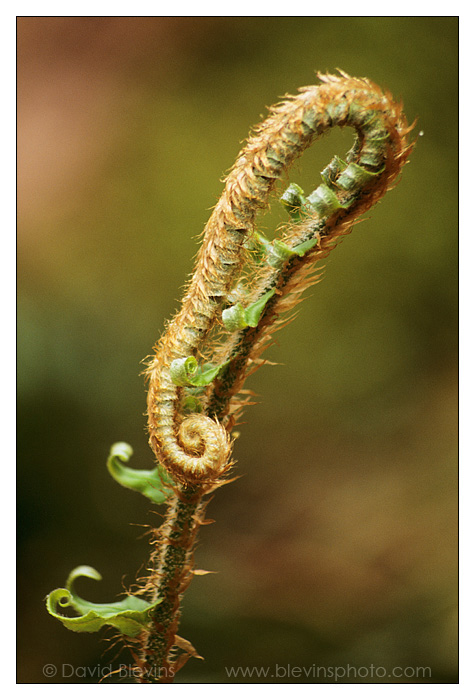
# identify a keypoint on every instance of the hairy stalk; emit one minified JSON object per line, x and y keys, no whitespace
{"x":171,"y":572}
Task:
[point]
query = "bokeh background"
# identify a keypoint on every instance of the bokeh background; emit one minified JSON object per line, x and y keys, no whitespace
{"x":338,"y":546}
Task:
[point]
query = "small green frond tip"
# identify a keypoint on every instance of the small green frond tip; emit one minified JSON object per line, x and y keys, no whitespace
{"x":129,"y":615}
{"x":294,"y":201}
{"x":186,"y":372}
{"x":237,"y":317}
{"x":154,"y":484}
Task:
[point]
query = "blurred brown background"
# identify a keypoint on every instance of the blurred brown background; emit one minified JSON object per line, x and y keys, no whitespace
{"x":339,"y":543}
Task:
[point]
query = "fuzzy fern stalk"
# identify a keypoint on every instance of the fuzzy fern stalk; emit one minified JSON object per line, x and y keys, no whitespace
{"x":242,"y":290}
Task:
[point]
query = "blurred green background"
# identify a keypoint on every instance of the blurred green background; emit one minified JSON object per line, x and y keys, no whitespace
{"x":339,"y":543}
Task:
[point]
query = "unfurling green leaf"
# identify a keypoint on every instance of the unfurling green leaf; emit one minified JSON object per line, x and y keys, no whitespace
{"x":278,"y":252}
{"x":333,"y":170}
{"x":234,"y":318}
{"x":183,"y":370}
{"x":206,"y":374}
{"x":254,"y":311}
{"x":155,"y":484}
{"x":294,"y":201}
{"x":304,"y":247}
{"x":354,"y":177}
{"x":324,"y":201}
{"x":186,"y":372}
{"x":237,"y":317}
{"x":129,"y":615}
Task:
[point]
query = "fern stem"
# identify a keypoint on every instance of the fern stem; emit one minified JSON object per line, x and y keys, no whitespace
{"x":171,"y":573}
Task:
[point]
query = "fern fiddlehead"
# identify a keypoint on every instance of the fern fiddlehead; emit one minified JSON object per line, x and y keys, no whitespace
{"x":242,"y":287}
{"x":241,"y":291}
{"x":196,"y":449}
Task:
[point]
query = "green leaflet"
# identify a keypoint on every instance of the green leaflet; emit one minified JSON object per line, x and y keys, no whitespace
{"x":304,"y":247}
{"x":155,"y":484}
{"x":332,"y":170}
{"x":294,"y":201}
{"x":324,"y":201}
{"x":234,"y":318}
{"x":279,"y":252}
{"x":254,"y":311}
{"x":355,"y":177}
{"x":338,"y":175}
{"x":237,"y":317}
{"x":129,"y":615}
{"x":186,"y":372}
{"x":276,"y":251}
